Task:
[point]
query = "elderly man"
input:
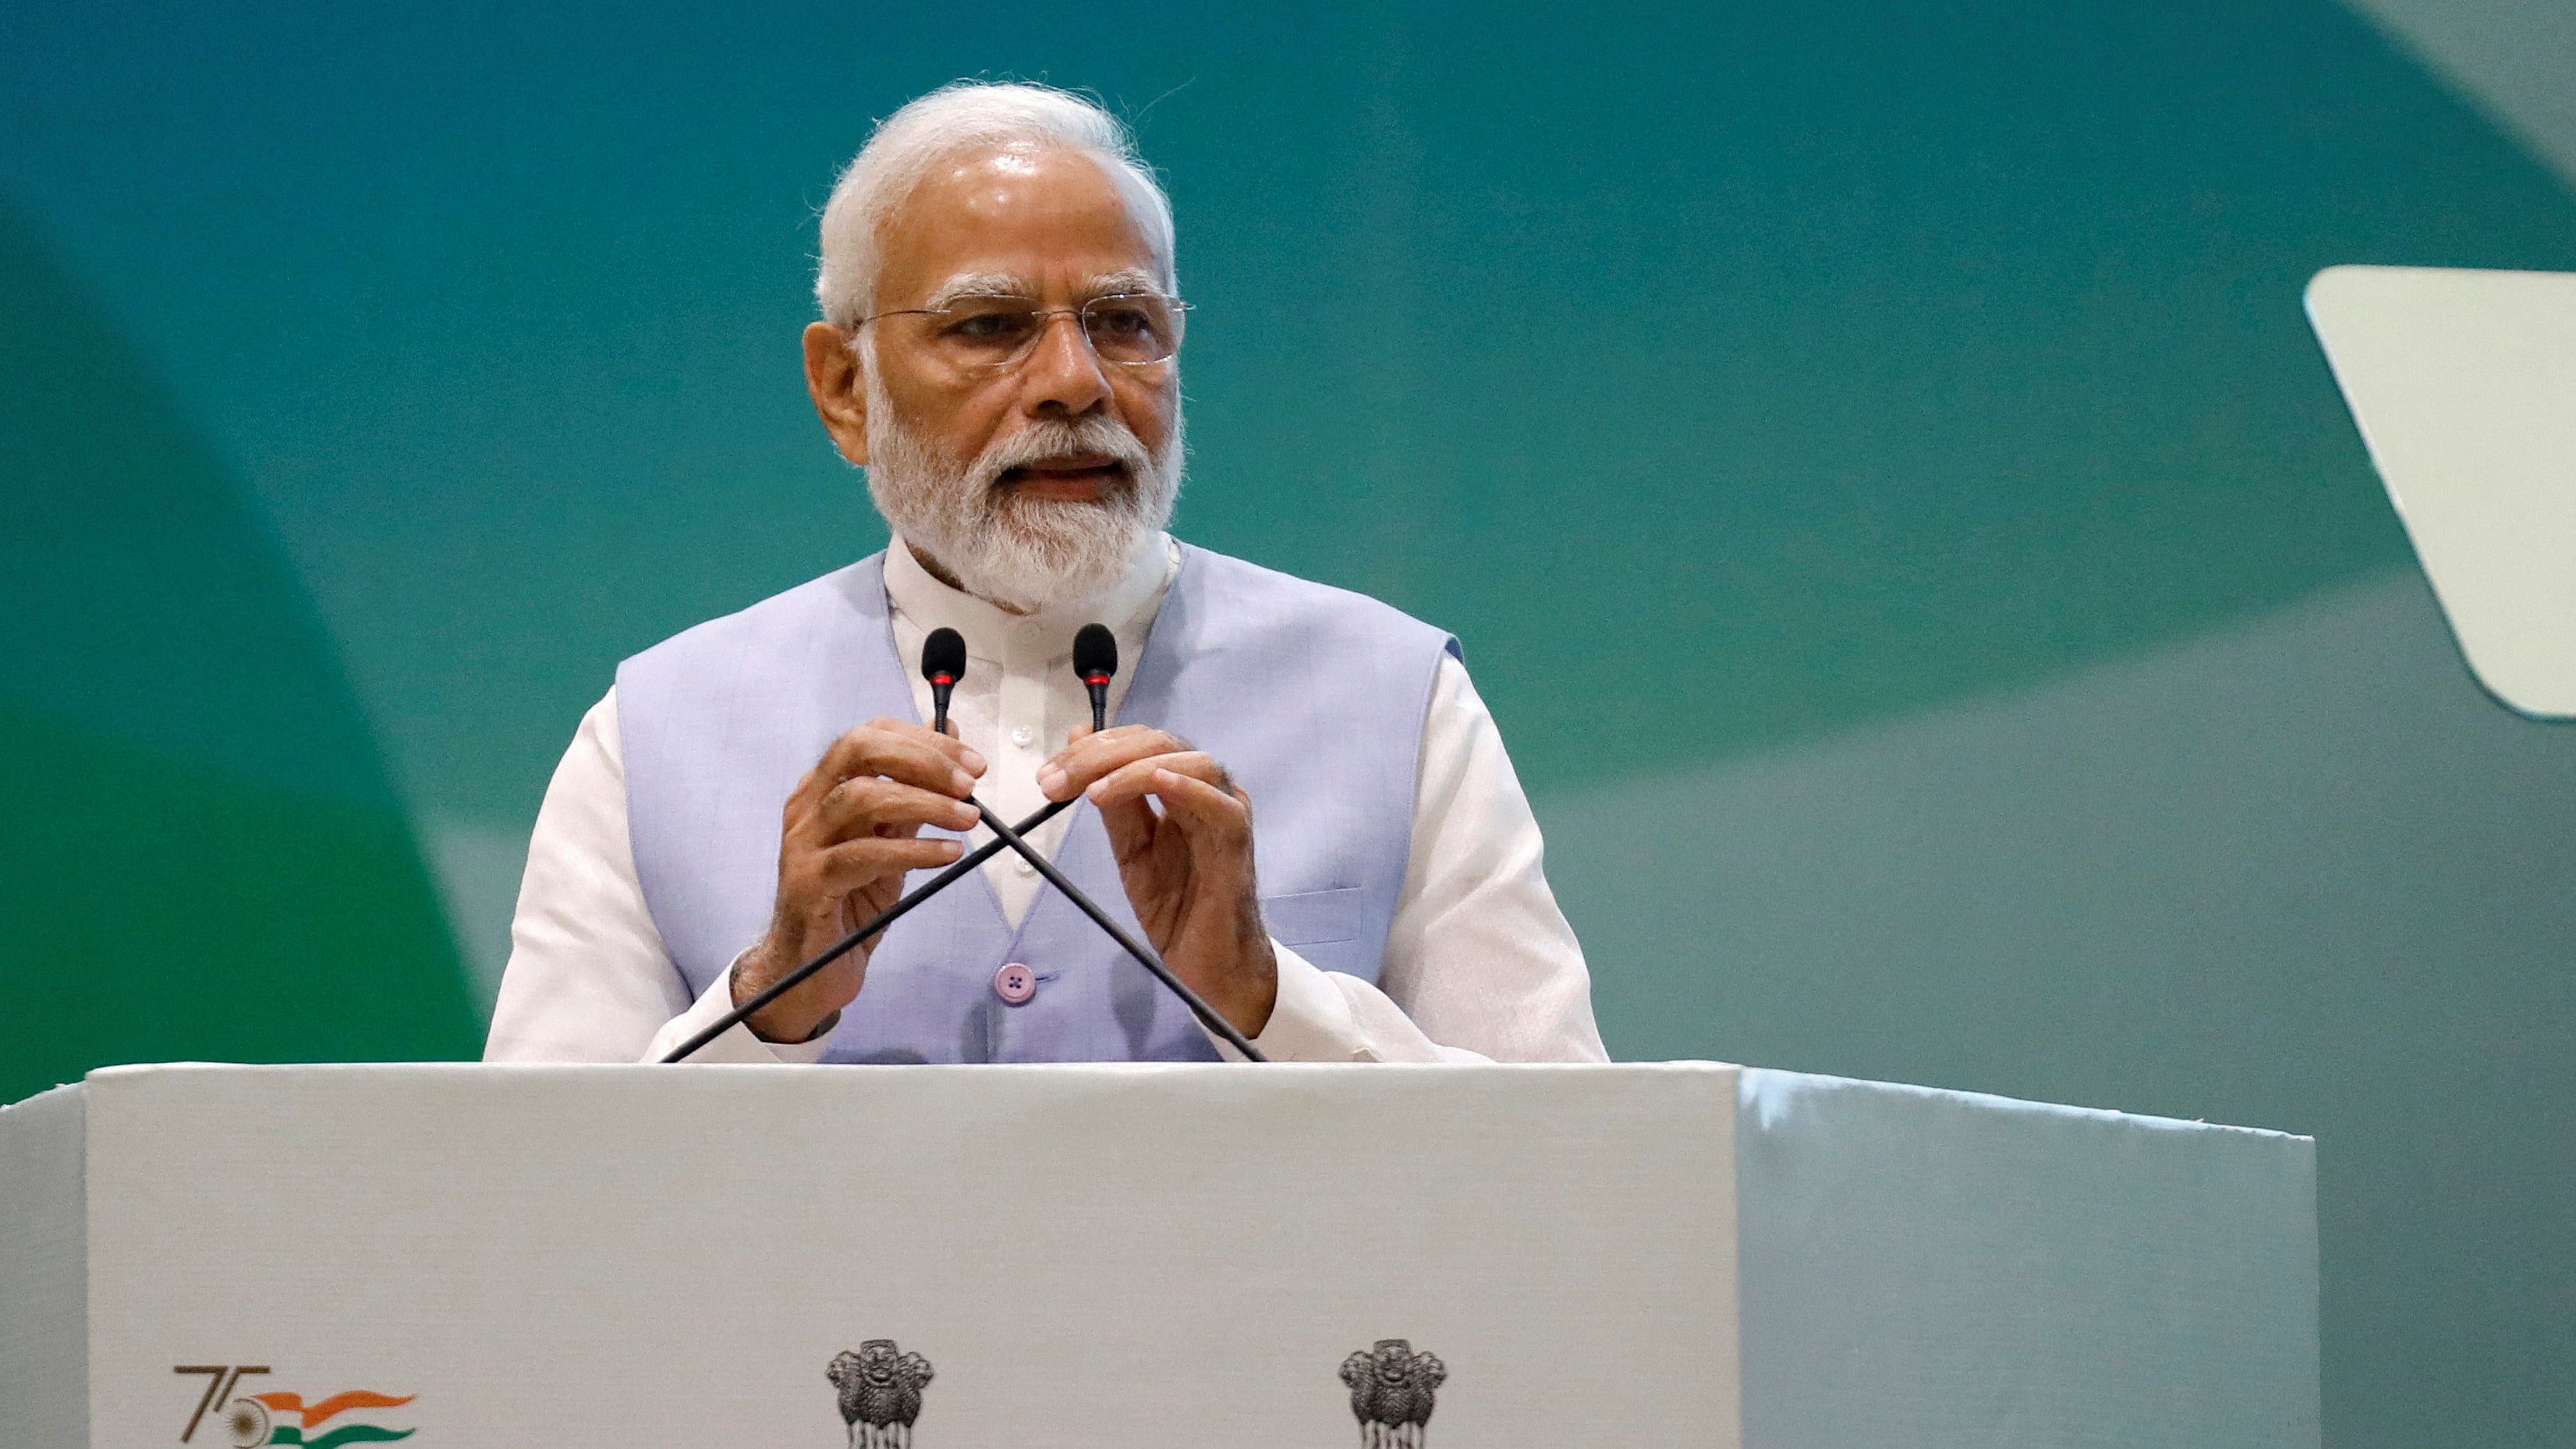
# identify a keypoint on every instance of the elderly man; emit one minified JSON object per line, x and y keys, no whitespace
{"x":1303,"y":801}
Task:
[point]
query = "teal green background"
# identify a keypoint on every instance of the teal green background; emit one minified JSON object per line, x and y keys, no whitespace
{"x":1872,"y":453}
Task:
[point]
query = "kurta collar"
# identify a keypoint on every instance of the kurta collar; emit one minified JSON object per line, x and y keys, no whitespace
{"x":1032,"y":641}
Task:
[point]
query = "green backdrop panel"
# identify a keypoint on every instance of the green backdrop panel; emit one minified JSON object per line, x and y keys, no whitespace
{"x":163,"y":911}
{"x":202,"y":857}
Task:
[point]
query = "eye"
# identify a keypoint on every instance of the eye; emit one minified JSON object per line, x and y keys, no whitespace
{"x":1122,"y":321}
{"x":990,"y":327}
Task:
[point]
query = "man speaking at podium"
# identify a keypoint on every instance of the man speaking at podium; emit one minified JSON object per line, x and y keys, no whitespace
{"x":998,"y":347}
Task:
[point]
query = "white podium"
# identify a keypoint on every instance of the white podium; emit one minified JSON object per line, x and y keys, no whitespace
{"x":980,"y":1257}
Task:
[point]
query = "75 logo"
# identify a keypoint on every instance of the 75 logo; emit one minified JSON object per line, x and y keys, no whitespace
{"x":221,"y":1379}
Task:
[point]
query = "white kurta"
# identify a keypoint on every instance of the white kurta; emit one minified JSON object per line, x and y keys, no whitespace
{"x":1479,"y":965}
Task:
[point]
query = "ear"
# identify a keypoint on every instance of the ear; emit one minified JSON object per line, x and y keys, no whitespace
{"x":840,"y":392}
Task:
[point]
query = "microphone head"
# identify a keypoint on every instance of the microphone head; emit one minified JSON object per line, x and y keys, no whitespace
{"x":1095,"y":654}
{"x":943,"y":653}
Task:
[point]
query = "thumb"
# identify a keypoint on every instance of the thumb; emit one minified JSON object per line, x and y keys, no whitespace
{"x":1131,"y":825}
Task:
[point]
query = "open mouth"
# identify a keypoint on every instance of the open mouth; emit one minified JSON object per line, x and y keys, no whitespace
{"x":1074,"y":478}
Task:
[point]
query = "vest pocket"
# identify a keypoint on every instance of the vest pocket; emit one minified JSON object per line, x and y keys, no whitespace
{"x":1312,"y":918}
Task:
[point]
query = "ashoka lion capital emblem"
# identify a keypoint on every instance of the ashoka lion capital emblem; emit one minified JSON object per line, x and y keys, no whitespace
{"x":880,"y":1393}
{"x":1391,"y":1393}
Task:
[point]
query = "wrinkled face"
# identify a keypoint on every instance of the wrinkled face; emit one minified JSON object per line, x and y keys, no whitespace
{"x":1029,"y":482}
{"x":1064,"y":228}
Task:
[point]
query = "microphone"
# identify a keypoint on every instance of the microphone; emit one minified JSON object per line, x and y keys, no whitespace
{"x":943,"y":663}
{"x":1095,"y":658}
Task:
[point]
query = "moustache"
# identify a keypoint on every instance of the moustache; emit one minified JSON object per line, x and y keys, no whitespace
{"x":1048,"y":441}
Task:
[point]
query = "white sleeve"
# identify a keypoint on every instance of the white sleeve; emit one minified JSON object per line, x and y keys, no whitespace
{"x":589,"y":979}
{"x":1480,"y":964}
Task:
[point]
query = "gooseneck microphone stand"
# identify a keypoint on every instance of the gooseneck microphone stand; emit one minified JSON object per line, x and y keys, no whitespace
{"x":943,"y":662}
{"x":1207,"y":1015}
{"x":850,"y":942}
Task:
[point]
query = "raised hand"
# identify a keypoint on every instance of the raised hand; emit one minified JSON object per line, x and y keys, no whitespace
{"x":1188,"y":868}
{"x":848,"y":836}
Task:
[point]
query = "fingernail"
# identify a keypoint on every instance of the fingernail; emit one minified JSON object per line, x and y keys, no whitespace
{"x":1051,"y":780}
{"x":964,"y":782}
{"x":952,"y":849}
{"x":974,"y":761}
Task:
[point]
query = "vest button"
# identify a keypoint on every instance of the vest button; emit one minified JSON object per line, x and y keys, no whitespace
{"x":1015,"y":983}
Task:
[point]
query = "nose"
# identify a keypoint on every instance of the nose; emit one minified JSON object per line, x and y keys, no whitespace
{"x":1064,"y":376}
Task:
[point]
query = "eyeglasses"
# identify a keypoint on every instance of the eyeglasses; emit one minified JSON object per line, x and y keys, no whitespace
{"x":986,"y":334}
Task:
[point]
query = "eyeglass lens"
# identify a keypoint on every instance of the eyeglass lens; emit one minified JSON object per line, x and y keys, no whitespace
{"x":997,"y":331}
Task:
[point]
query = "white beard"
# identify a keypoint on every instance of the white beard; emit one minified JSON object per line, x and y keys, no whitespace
{"x":1024,"y":554}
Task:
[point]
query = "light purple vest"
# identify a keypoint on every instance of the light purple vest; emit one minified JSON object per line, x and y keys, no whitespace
{"x":1313,"y":697}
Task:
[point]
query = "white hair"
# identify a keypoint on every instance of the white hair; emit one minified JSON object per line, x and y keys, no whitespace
{"x":959,"y":117}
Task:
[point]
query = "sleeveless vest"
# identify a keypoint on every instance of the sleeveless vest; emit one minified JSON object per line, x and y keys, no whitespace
{"x":1313,"y":698}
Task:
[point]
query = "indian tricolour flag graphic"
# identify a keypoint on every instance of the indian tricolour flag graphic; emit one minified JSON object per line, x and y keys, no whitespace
{"x":286,"y":1419}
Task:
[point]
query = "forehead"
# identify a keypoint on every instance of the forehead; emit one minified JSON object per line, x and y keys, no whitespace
{"x":1053,"y":216}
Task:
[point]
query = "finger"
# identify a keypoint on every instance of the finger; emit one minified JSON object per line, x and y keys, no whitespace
{"x":856,"y":864}
{"x":1215,"y":826}
{"x":950,"y":741}
{"x":873,"y":805}
{"x":1132,"y":780}
{"x":1092,"y":756}
{"x":1131,"y":825}
{"x":1203,"y":811}
{"x":905,"y":752}
{"x":875,"y":739}
{"x":884,"y":747}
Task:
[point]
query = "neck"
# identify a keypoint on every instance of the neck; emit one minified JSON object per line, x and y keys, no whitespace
{"x":939,"y":571}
